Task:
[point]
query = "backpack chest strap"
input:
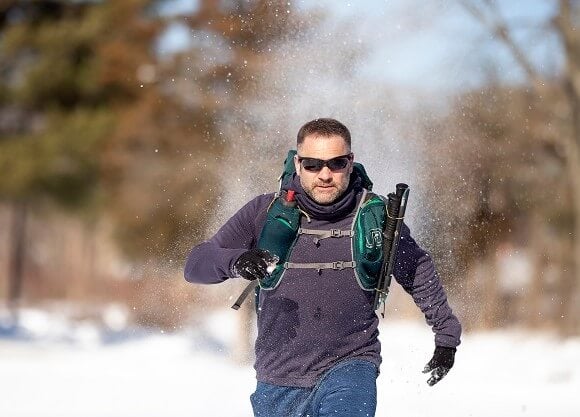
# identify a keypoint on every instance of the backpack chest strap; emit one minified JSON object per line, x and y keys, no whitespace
{"x":338,"y":265}
{"x":324,"y":234}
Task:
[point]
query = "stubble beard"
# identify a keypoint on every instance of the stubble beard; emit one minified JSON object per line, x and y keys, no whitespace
{"x":325,"y":198}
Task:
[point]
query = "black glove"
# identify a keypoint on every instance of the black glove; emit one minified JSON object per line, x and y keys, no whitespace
{"x":440,"y":364}
{"x":253,"y":264}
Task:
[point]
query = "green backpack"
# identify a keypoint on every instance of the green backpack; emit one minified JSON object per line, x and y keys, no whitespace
{"x":283,"y":227}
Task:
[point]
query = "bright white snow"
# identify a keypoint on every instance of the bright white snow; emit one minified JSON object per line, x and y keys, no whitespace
{"x":60,"y":370}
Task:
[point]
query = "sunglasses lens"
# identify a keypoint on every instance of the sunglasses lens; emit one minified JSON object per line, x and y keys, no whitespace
{"x":337,"y":163}
{"x":312,"y":164}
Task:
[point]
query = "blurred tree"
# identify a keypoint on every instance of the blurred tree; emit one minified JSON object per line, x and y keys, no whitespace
{"x":52,"y":116}
{"x":178,"y":133}
{"x":94,"y":116}
{"x":520,"y":144}
{"x":69,"y":83}
{"x":500,"y":174}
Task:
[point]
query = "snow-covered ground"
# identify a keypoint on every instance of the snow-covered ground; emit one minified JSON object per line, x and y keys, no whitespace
{"x":55,"y":370}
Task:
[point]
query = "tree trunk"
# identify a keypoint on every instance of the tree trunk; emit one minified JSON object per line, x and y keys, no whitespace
{"x":570,"y":309}
{"x":536,"y":318}
{"x":17,"y":257}
{"x":571,"y":290}
{"x":91,"y":256}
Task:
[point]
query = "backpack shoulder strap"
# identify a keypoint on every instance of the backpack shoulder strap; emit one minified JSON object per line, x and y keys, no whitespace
{"x":286,"y":176}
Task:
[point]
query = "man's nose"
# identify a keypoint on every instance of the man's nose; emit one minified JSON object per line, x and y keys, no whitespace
{"x":325,"y":174}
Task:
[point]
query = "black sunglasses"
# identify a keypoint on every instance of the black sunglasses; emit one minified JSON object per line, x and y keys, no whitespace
{"x":334,"y":164}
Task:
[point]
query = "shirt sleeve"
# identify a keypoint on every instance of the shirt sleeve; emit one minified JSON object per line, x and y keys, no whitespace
{"x":211,"y":261}
{"x":415,"y":272}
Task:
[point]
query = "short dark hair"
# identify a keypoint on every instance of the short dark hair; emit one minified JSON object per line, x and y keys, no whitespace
{"x":323,"y":127}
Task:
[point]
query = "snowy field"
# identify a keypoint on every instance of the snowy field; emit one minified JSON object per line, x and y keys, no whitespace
{"x":50,"y":369}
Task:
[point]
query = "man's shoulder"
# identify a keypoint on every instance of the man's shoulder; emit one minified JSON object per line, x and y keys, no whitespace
{"x":262,"y":200}
{"x":371,"y":194}
{"x":258,"y":205}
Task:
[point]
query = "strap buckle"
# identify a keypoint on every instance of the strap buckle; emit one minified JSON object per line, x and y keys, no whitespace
{"x":338,"y":265}
{"x":335,"y":233}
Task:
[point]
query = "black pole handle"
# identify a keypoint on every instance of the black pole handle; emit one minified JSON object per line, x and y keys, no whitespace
{"x":395,"y":213}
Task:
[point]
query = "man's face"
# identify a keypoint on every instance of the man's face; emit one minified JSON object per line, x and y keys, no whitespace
{"x":325,"y":185}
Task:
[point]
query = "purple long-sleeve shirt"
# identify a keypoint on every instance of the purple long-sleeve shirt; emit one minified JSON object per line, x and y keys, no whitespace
{"x":313,"y":319}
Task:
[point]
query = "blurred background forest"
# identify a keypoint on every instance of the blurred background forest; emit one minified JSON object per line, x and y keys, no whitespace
{"x":130,"y":130}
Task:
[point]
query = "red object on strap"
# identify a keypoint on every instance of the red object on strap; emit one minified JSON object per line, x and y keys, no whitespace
{"x":290,"y":195}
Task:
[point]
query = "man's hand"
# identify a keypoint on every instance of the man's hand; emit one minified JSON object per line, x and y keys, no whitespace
{"x":440,"y":364}
{"x":254,"y":263}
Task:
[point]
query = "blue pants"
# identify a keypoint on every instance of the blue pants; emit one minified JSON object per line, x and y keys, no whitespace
{"x":348,"y":389}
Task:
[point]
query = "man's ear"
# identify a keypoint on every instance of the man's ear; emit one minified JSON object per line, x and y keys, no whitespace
{"x":296,"y":165}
